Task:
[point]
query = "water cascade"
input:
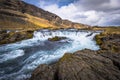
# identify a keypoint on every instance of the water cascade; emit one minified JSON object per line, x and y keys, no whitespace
{"x":18,"y":60}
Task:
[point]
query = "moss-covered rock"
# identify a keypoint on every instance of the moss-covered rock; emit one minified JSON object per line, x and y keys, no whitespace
{"x":108,"y":42}
{"x":12,"y":37}
{"x":56,"y":38}
{"x":98,"y":39}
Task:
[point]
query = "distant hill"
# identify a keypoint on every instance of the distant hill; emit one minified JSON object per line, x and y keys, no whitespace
{"x":16,"y":14}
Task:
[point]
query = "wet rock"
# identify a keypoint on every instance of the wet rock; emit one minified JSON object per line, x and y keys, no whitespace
{"x":82,"y":65}
{"x":89,"y":35}
{"x":56,"y":38}
{"x":3,"y":31}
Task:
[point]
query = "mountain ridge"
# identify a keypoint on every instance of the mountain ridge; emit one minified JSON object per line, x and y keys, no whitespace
{"x":24,"y":12}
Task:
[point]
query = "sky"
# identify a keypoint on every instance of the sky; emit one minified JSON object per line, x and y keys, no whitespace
{"x":91,"y":12}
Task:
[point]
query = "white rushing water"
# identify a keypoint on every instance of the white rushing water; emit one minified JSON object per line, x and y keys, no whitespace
{"x":18,"y":60}
{"x":11,"y":55}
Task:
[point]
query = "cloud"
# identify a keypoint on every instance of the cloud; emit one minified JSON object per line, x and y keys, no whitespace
{"x":110,"y":19}
{"x":99,"y":5}
{"x":92,"y":12}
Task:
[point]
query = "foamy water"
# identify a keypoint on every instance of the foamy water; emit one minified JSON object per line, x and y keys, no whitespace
{"x":18,"y":60}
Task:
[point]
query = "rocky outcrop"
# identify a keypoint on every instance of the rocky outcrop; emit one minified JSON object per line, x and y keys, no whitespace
{"x":109,"y":42}
{"x":13,"y":36}
{"x":82,"y":65}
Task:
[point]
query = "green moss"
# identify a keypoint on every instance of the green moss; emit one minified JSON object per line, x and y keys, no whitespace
{"x":115,"y":48}
{"x":98,"y":40}
{"x":56,"y":38}
{"x":29,"y":35}
{"x":66,"y":57}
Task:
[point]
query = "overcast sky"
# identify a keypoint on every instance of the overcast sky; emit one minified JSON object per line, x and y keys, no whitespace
{"x":91,"y":12}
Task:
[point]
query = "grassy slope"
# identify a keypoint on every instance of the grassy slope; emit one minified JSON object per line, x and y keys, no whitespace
{"x":14,"y":20}
{"x":108,"y":30}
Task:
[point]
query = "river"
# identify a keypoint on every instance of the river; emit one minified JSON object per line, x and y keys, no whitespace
{"x":18,"y":60}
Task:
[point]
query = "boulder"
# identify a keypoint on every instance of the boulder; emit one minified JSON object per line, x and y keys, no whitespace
{"x":56,"y":38}
{"x":82,"y":65}
{"x":11,"y":37}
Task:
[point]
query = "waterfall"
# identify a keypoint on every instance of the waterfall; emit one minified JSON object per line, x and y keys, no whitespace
{"x":45,"y":34}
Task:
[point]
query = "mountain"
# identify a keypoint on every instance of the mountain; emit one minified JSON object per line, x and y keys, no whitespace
{"x":16,"y":14}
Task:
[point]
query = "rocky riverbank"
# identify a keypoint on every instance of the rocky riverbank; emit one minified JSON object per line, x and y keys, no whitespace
{"x":14,"y":36}
{"x":86,"y":64}
{"x":82,"y":65}
{"x":109,"y":41}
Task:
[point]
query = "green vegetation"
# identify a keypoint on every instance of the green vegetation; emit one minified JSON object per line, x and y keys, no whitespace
{"x":115,"y":48}
{"x":98,"y":38}
{"x":67,"y":57}
{"x":107,"y":30}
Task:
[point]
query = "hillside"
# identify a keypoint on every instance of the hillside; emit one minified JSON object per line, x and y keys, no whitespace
{"x":16,"y":14}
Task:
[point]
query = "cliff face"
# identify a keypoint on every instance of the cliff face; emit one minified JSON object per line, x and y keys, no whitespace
{"x":23,"y":13}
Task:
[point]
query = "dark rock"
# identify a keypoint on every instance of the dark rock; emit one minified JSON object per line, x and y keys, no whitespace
{"x":56,"y":38}
{"x":82,"y":65}
{"x":89,"y":35}
{"x":3,"y":31}
{"x":114,"y":57}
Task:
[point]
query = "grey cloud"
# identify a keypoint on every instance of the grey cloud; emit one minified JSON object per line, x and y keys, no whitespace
{"x":113,"y":20}
{"x":79,"y":16}
{"x":110,"y":9}
{"x":98,"y":5}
